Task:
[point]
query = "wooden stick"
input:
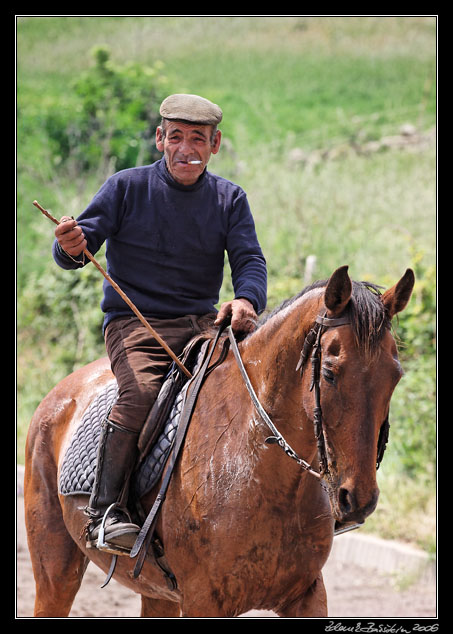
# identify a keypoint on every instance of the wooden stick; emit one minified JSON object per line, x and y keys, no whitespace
{"x":125,"y":298}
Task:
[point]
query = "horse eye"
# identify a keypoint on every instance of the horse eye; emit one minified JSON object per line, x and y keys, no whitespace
{"x":329,"y":376}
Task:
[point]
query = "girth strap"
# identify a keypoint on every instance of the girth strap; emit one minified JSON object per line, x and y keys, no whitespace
{"x":143,"y":540}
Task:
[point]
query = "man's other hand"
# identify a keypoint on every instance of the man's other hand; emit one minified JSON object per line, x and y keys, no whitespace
{"x":243,"y":316}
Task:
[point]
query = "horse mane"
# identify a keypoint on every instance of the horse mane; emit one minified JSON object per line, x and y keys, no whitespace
{"x":369,"y":318}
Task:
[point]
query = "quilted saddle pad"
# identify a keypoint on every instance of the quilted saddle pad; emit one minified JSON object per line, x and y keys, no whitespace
{"x":79,"y":463}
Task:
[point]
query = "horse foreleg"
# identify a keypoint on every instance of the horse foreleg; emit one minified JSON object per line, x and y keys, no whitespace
{"x":312,"y":604}
{"x":159,"y":608}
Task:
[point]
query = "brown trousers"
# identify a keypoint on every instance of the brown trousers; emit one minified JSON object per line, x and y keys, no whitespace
{"x":140,"y":364}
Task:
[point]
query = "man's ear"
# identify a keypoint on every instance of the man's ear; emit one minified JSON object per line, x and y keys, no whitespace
{"x":216,"y":145}
{"x":159,"y":139}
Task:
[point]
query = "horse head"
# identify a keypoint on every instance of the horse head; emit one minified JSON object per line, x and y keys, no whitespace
{"x":347,"y":394}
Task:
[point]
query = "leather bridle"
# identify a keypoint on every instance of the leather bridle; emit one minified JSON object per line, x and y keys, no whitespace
{"x":312,"y":342}
{"x":276,"y":438}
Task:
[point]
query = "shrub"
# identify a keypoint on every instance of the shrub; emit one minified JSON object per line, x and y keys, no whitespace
{"x":113,"y":120}
{"x":413,"y":409}
{"x":417,"y":323}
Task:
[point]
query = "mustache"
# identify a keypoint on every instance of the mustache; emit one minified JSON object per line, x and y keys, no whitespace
{"x":184,"y":159}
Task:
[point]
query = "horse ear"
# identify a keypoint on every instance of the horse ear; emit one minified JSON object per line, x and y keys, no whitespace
{"x":338,"y":291}
{"x":396,"y":298}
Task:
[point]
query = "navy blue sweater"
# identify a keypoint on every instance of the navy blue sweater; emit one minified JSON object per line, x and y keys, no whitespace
{"x":166,"y":243}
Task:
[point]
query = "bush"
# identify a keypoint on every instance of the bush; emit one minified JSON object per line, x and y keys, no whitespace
{"x":113,"y":120}
{"x":417,"y":323}
{"x":413,"y":409}
{"x":62,"y":307}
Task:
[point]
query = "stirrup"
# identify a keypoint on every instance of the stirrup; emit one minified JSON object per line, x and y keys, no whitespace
{"x":101,"y":543}
{"x":104,"y":546}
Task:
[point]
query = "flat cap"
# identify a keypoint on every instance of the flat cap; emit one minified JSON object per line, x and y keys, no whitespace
{"x":191,"y":108}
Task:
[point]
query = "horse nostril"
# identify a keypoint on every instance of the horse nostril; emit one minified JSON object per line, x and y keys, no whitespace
{"x":345,"y":500}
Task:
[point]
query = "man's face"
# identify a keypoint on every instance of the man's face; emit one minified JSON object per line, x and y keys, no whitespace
{"x":186,"y":142}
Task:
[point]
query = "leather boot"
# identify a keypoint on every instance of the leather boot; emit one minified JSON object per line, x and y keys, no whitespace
{"x":116,"y":457}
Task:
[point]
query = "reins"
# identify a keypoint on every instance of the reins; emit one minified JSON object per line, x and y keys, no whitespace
{"x":312,"y":341}
{"x":146,"y":534}
{"x":276,"y":438}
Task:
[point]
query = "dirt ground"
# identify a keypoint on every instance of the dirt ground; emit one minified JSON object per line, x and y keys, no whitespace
{"x":352,"y":591}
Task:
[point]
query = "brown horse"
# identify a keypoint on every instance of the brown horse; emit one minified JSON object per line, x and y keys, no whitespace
{"x":243,"y":525}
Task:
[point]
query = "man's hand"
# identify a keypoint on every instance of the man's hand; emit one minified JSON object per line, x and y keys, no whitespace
{"x":70,"y":236}
{"x":243,"y":316}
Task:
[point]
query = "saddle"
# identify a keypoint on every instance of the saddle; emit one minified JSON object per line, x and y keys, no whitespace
{"x":79,"y":463}
{"x":161,"y":436}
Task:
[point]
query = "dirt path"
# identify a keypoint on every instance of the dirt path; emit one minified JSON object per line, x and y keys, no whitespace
{"x":353,"y":591}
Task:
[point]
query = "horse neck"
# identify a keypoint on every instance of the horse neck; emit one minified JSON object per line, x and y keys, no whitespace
{"x":270,"y":357}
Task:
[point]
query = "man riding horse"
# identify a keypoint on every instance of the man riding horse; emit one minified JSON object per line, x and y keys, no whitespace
{"x":167,"y":227}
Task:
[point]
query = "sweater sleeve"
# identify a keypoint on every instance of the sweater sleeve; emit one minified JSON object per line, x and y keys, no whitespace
{"x":247,"y":262}
{"x":98,"y":221}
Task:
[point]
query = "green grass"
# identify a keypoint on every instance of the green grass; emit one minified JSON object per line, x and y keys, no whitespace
{"x":283,"y":83}
{"x":323,"y":211}
{"x":289,"y":86}
{"x":314,"y":77}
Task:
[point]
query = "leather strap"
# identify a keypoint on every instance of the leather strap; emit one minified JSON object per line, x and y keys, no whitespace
{"x":143,"y":540}
{"x":332,"y":323}
{"x":277,"y":437}
{"x":111,"y":570}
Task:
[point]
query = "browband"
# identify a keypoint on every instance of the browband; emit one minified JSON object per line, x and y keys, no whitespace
{"x":332,"y":323}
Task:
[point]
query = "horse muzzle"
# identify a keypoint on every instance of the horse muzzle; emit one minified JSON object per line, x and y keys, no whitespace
{"x":353,"y":504}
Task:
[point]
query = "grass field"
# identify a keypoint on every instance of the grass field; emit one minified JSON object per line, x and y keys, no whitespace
{"x":307,"y":104}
